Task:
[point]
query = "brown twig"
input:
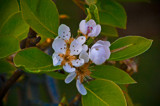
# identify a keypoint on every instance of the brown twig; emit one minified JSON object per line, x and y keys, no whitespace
{"x":10,"y":82}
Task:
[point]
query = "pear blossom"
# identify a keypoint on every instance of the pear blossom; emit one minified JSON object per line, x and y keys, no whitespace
{"x":89,"y":28}
{"x":72,"y":53}
{"x":80,"y":74}
{"x":67,"y":48}
{"x":100,"y":52}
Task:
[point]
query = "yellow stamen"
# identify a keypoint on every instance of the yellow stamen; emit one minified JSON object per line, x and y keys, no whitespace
{"x":83,"y":71}
{"x":67,"y":58}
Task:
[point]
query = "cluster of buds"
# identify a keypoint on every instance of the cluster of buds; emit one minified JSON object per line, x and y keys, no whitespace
{"x":73,"y":54}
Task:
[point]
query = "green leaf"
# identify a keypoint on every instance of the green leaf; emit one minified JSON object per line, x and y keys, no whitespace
{"x":109,"y":31}
{"x":13,"y":30}
{"x":34,"y":60}
{"x":89,"y":16}
{"x":128,"y":47}
{"x":23,"y":35}
{"x":94,"y":13}
{"x":89,"y":2}
{"x":8,"y":46}
{"x":42,"y":16}
{"x":111,"y":73}
{"x":5,"y":66}
{"x":103,"y":93}
{"x":14,"y":26}
{"x":112,"y":13}
{"x":7,"y":7}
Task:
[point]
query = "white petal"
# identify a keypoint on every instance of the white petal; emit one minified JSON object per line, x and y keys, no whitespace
{"x":83,"y":26}
{"x":100,"y":52}
{"x":105,"y":43}
{"x":107,"y":52}
{"x":68,"y":68}
{"x":56,"y":59}
{"x":58,"y":37}
{"x":81,"y":88}
{"x":99,"y":55}
{"x":85,"y":56}
{"x":84,"y":47}
{"x":75,"y":48}
{"x":64,"y":32}
{"x":96,"y":45}
{"x":70,"y":77}
{"x":81,"y":39}
{"x":101,"y":43}
{"x":98,"y":30}
{"x":59,"y":46}
{"x":78,"y":62}
{"x":91,"y":23}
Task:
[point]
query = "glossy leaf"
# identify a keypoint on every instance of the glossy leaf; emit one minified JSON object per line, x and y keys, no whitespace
{"x":111,"y":73}
{"x":14,"y":26}
{"x":109,"y":31}
{"x":128,"y":47}
{"x":112,"y":13}
{"x":34,"y":60}
{"x":6,"y":66}
{"x":23,"y":35}
{"x":13,"y":30}
{"x":7,"y":7}
{"x":94,"y":13}
{"x":8,"y":46}
{"x":41,"y":15}
{"x":103,"y":93}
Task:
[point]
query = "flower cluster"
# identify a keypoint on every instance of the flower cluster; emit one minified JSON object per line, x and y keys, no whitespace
{"x":73,"y":54}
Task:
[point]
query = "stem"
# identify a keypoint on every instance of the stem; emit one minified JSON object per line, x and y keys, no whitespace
{"x":10,"y":82}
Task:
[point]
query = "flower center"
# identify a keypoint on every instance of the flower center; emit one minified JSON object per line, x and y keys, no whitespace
{"x":67,"y":58}
{"x":83,"y":72}
{"x":89,"y":29}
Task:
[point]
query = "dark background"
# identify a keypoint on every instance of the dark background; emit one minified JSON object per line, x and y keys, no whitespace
{"x":144,"y":20}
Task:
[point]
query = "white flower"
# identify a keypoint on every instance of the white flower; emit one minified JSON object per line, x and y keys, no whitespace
{"x":90,"y":28}
{"x":66,"y":48}
{"x":80,"y":76}
{"x":100,"y":52}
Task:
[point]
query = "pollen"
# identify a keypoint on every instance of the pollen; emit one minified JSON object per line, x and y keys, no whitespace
{"x":67,"y":58}
{"x":83,"y":72}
